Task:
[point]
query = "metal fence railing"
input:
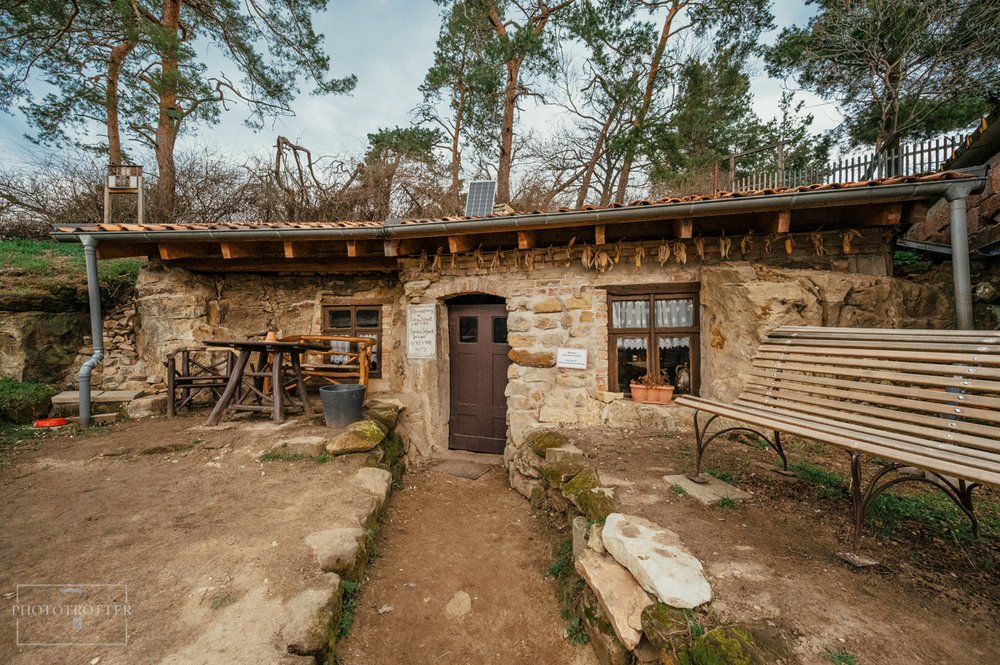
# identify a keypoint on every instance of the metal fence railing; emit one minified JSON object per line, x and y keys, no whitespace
{"x":910,"y":159}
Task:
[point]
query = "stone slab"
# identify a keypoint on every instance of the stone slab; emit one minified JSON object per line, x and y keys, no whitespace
{"x":579,"y":535}
{"x":336,"y":549}
{"x":657,"y":559}
{"x":708,"y":492}
{"x":620,"y":596}
{"x":97,"y":396}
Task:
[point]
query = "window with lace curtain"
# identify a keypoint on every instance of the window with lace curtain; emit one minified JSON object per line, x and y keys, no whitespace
{"x":355,"y":321}
{"x":654,"y":327}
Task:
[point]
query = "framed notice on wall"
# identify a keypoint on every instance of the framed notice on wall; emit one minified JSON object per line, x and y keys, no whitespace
{"x":421,"y":331}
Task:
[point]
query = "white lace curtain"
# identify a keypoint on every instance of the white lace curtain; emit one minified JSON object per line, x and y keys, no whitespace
{"x":673,"y":313}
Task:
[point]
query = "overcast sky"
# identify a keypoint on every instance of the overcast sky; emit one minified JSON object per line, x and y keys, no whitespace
{"x":389,"y":45}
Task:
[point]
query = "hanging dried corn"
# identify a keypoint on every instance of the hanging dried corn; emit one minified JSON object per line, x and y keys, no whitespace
{"x":746,"y":244}
{"x":680,"y":252}
{"x":725,"y":244}
{"x":587,"y":257}
{"x":789,"y":244}
{"x":768,"y":239}
{"x":699,"y":248}
{"x":422,"y":266}
{"x":604,"y":262}
{"x":529,"y":261}
{"x":663,"y":253}
{"x":846,"y":237}
{"x":618,"y":252}
{"x":480,"y":259}
{"x":495,"y":262}
{"x":816,"y":238}
{"x":453,"y":261}
{"x":550,"y":254}
{"x":569,"y":252}
{"x":517,"y":260}
{"x":436,"y":265}
{"x":640,"y":253}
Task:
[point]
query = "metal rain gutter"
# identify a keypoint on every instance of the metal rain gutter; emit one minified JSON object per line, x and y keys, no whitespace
{"x":652,"y":212}
{"x":96,"y":327}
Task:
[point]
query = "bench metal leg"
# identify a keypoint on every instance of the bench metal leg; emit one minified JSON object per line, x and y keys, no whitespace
{"x":701,"y":443}
{"x":959,"y":491}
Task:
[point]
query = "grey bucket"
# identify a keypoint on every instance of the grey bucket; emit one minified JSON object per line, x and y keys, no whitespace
{"x":342,"y":403}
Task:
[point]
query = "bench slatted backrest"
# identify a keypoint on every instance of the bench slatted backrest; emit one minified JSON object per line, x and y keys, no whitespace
{"x":931,"y":393}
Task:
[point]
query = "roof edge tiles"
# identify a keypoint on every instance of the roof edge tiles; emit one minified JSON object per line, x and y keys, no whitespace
{"x":892,"y":189}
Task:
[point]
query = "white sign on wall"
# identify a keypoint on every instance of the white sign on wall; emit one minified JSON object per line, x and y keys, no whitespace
{"x":572,"y":358}
{"x":421,"y":331}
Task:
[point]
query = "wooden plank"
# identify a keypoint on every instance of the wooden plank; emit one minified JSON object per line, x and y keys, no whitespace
{"x":832,"y":364}
{"x":918,"y":345}
{"x":777,"y":222}
{"x":175,"y":251}
{"x":390,"y":248}
{"x":683,"y":228}
{"x":463,"y":243}
{"x":122,"y":250}
{"x":525,"y":239}
{"x":935,"y":354}
{"x":322,"y":265}
{"x":883,"y":215}
{"x":240,"y":250}
{"x":357,"y":248}
{"x":960,"y":383}
{"x":599,"y":236}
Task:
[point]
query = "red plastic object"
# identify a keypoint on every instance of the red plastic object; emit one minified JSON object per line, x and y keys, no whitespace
{"x":51,"y":422}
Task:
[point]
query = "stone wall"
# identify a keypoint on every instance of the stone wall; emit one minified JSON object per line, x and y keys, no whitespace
{"x":554,"y":305}
{"x":39,"y":332}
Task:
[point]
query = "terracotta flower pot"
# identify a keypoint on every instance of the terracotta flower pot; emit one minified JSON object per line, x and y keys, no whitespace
{"x":640,"y":393}
{"x":662,"y":394}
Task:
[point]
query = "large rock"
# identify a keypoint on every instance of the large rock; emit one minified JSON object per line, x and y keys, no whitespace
{"x":736,"y":645}
{"x":359,"y":437}
{"x":619,"y":595}
{"x":527,"y":358}
{"x":584,"y":491}
{"x":39,"y":346}
{"x":543,"y":439}
{"x":338,"y":550}
{"x":384,"y":411}
{"x":657,"y":559}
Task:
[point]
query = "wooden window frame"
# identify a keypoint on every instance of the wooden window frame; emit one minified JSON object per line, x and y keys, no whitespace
{"x":687,"y":290}
{"x":354,"y":331}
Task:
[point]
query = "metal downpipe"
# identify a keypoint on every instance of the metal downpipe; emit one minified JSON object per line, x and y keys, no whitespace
{"x":960,"y":270}
{"x":96,"y":327}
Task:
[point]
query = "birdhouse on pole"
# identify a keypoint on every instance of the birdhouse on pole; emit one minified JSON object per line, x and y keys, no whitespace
{"x":123,"y":179}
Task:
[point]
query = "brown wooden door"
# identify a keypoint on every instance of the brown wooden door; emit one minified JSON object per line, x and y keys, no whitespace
{"x":478,"y":350}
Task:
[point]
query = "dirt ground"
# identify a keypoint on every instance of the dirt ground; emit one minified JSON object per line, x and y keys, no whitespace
{"x":462,"y":566}
{"x":934,"y":599}
{"x":208,"y":539}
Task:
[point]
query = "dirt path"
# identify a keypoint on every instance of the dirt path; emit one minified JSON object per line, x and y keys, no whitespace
{"x":462,"y":565}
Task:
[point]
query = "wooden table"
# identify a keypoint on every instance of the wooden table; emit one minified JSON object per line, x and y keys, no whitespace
{"x":265,"y":392}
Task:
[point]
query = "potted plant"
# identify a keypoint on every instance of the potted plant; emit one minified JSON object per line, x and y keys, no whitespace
{"x":653,"y":388}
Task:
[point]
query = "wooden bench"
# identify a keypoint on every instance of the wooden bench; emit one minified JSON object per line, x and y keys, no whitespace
{"x":348,"y":360}
{"x":201,"y":368}
{"x":925,"y":401}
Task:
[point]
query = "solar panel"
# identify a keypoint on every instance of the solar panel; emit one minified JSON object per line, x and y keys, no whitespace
{"x":479,"y":202}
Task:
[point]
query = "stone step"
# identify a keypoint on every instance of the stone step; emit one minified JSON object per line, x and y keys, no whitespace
{"x":67,"y":403}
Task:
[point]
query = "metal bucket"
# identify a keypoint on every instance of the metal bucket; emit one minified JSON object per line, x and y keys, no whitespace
{"x":342,"y":403}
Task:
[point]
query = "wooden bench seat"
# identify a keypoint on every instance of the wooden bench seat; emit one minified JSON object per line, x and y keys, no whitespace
{"x":926,"y":400}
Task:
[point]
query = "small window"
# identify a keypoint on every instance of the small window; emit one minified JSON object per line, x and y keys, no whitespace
{"x":499,"y":329}
{"x":468,"y":329}
{"x":357,"y":321}
{"x":654,"y":327}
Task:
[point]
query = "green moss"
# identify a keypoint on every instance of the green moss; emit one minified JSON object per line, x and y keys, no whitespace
{"x":556,"y":474}
{"x":665,"y":627}
{"x":24,"y":402}
{"x":541,"y":440}
{"x":582,"y":490}
{"x":386,"y":415}
{"x":735,"y":645}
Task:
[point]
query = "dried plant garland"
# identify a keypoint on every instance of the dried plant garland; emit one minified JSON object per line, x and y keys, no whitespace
{"x":816,"y":238}
{"x":725,"y":244}
{"x":846,"y":238}
{"x":680,"y":252}
{"x":640,"y":253}
{"x":663,"y":253}
{"x":699,"y":248}
{"x":746,"y":244}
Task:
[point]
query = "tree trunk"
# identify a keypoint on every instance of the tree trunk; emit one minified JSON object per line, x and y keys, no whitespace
{"x":595,"y":156}
{"x":115,"y":61}
{"x":169,"y":118}
{"x":647,"y":99}
{"x":454,"y":194}
{"x":507,"y":130}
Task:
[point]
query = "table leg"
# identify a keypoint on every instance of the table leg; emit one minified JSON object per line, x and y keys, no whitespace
{"x":235,"y":380}
{"x":277,"y":389}
{"x":300,"y":383}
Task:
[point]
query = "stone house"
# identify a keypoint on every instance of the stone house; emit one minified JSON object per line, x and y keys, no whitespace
{"x":489,"y":327}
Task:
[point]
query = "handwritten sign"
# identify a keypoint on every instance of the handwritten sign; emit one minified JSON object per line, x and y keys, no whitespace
{"x":421,"y":331}
{"x":572,"y":358}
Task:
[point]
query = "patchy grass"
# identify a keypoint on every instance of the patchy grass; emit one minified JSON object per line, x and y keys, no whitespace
{"x":576,"y":633}
{"x":40,"y":262}
{"x":724,"y":476}
{"x":322,"y":458}
{"x":348,"y":607}
{"x":562,"y":567}
{"x":891,"y":510}
{"x":279,"y":456}
{"x":23,"y":401}
{"x":841,"y":658}
{"x":678,"y":490}
{"x":725,"y":502}
{"x":694,"y":626}
{"x":817,"y":475}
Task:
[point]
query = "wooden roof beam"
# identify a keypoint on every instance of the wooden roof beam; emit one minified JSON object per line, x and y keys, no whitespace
{"x":190,"y":250}
{"x":683,"y":228}
{"x":463,"y":243}
{"x":240,"y":250}
{"x":357,"y":248}
{"x":526,"y":239}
